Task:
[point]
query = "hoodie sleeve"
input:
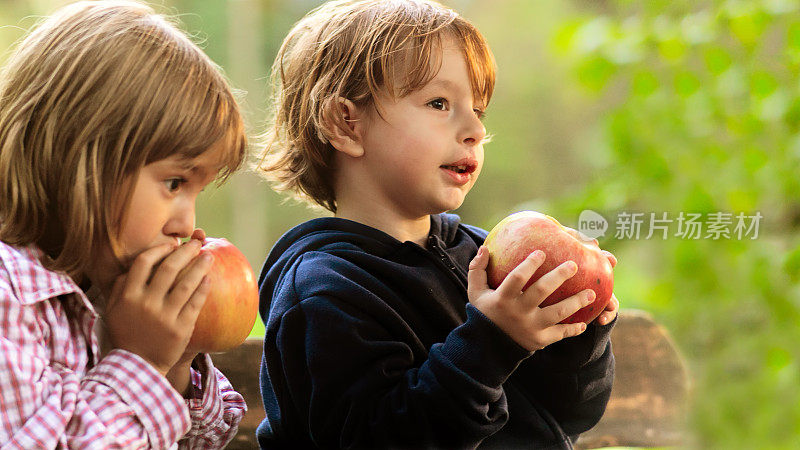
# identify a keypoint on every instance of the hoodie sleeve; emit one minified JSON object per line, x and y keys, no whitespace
{"x":572,"y":378}
{"x":359,"y":385}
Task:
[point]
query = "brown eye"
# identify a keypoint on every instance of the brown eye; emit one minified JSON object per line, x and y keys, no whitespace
{"x":173,"y":184}
{"x":438,"y":103}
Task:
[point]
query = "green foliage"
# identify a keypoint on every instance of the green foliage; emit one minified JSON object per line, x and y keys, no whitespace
{"x":703,"y":116}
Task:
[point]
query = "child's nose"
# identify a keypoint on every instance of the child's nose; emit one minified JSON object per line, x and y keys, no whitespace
{"x":181,"y":224}
{"x":474,"y":132}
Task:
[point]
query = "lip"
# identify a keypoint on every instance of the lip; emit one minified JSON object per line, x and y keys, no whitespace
{"x":469,"y":165}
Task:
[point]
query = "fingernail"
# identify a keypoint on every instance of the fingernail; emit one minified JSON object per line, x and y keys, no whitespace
{"x":583,"y":327}
{"x":572,"y":266}
{"x":538,"y":254}
{"x":207,"y":257}
{"x":590,"y":296}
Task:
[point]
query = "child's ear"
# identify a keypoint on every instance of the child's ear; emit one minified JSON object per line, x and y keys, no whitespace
{"x":345,"y":128}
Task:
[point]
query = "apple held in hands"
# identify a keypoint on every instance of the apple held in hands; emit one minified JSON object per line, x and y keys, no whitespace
{"x":519,"y":234}
{"x":231,"y":307}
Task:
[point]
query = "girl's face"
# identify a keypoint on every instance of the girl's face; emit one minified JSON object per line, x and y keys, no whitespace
{"x":161,"y":209}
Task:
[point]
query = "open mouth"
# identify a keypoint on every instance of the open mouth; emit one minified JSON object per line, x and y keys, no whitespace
{"x":464,"y":166}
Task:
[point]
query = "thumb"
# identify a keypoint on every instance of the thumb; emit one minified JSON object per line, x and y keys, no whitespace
{"x":199,"y":234}
{"x":476,"y":277}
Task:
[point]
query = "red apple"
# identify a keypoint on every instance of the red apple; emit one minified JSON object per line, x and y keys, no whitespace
{"x":231,"y":307}
{"x":519,"y":234}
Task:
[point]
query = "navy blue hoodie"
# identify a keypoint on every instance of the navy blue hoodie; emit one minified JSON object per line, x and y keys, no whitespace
{"x":371,"y":343}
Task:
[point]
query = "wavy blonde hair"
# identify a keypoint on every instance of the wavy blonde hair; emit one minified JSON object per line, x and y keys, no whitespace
{"x":352,"y":49}
{"x":89,"y":97}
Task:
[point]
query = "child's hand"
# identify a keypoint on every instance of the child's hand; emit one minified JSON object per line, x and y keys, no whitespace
{"x":611,"y":309}
{"x":517,"y":312}
{"x":154,"y":317}
{"x":583,"y":238}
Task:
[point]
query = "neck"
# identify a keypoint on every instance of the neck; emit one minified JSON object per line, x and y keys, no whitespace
{"x":361,"y":201}
{"x":390,"y":222}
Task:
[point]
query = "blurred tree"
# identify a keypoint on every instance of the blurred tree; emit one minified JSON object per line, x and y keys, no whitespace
{"x":702,"y":117}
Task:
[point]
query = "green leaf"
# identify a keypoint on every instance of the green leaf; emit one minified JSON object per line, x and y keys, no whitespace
{"x":793,"y":35}
{"x":594,"y":73}
{"x":791,"y":265}
{"x":698,"y":199}
{"x":686,"y":83}
{"x":564,"y":37}
{"x":673,"y":50}
{"x":747,"y":22}
{"x":717,"y":59}
{"x":778,"y":358}
{"x":755,"y":159}
{"x":762,"y":83}
{"x":792,"y":116}
{"x":644,"y":83}
{"x":741,"y":199}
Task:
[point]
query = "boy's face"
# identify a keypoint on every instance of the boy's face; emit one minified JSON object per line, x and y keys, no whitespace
{"x":425,"y":153}
{"x":161,"y":209}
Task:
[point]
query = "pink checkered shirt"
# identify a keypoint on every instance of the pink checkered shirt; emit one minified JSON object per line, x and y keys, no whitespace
{"x":54,"y":393}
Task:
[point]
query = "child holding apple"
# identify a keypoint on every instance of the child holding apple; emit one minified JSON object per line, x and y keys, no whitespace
{"x":381,"y":330}
{"x":111,"y":123}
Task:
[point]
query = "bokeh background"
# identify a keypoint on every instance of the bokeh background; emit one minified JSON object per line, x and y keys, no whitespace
{"x":619,"y":107}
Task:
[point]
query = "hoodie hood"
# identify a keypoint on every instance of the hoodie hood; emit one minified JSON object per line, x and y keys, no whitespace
{"x":331,"y":233}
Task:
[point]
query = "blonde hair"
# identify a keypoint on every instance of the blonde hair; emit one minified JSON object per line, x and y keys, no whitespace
{"x":88,"y":98}
{"x":352,"y":49}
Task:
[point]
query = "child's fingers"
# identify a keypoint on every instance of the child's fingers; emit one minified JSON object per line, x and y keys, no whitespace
{"x":171,"y":267}
{"x":476,"y":277}
{"x":143,"y":265}
{"x":613,"y":304}
{"x":517,"y":278}
{"x":549,"y":282}
{"x":199,"y":234}
{"x":565,"y":330}
{"x":559,"y":311}
{"x":191,"y":309}
{"x":188,"y":282}
{"x":611,"y":258}
{"x":610,"y":312}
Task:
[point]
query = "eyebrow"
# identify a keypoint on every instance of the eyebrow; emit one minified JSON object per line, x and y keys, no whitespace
{"x":194,"y":169}
{"x":445,"y":83}
{"x":449,"y":85}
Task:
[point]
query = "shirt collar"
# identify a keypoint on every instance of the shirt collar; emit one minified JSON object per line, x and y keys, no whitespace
{"x":31,"y":281}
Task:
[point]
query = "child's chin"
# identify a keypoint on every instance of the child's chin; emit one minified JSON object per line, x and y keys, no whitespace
{"x":451,"y":205}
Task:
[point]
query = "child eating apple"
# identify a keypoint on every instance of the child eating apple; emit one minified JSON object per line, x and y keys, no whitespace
{"x":111,"y":123}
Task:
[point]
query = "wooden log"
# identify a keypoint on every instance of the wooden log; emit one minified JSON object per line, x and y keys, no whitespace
{"x":648,"y":403}
{"x":241,"y":365}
